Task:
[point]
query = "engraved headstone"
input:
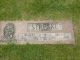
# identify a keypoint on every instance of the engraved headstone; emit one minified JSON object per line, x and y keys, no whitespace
{"x":37,"y":32}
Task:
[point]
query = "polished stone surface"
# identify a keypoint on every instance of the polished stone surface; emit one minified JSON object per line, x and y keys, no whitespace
{"x":36,"y":32}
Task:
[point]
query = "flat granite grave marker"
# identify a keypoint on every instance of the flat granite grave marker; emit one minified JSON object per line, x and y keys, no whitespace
{"x":36,"y":32}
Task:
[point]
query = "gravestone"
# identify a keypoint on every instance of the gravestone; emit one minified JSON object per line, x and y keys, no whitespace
{"x":36,"y":32}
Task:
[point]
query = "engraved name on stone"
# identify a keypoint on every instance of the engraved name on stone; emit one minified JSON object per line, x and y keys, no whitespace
{"x":44,"y":36}
{"x":43,"y":26}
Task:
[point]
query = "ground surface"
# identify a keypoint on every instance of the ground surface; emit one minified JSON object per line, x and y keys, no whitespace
{"x":41,"y":9}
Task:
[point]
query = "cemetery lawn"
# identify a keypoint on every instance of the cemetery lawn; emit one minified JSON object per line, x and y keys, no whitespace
{"x":41,"y":10}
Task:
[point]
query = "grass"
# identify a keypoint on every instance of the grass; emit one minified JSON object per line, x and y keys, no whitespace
{"x":38,"y":9}
{"x":41,"y":9}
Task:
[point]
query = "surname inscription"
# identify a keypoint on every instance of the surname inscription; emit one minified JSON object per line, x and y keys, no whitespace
{"x":44,"y":26}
